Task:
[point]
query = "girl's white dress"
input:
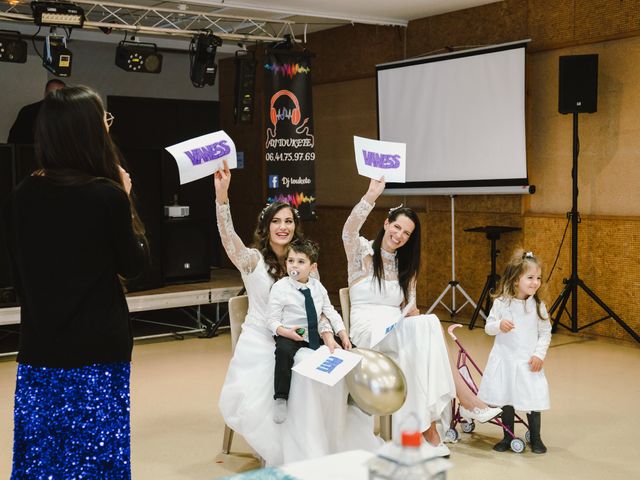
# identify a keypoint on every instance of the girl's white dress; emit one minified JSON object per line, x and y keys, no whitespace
{"x":508,"y":379}
{"x":416,"y":344}
{"x":319,"y":422}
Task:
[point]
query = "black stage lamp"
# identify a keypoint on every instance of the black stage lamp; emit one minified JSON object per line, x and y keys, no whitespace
{"x":138,"y":57}
{"x":57,"y":14}
{"x":202,"y":57}
{"x":57,"y":57}
{"x":12,"y":48}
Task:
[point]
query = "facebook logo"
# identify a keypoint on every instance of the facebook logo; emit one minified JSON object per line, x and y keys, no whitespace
{"x":274,"y":181}
{"x":329,"y":364}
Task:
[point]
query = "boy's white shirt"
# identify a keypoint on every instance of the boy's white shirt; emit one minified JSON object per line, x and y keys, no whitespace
{"x":287,"y":306}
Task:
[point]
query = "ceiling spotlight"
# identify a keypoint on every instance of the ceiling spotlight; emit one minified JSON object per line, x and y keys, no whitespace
{"x":57,"y":57}
{"x":138,"y":57}
{"x":12,"y":48}
{"x":57,"y":14}
{"x":202,"y":58}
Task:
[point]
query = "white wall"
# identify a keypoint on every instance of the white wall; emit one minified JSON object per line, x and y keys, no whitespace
{"x":94,"y":66}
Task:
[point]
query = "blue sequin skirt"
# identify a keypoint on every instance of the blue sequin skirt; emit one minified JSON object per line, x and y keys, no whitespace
{"x":72,"y":423}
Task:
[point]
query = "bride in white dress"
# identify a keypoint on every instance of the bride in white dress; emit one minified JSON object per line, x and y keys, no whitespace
{"x":382,"y":281}
{"x":319,"y":421}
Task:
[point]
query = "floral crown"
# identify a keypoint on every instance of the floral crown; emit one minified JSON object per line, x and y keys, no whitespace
{"x":263,"y":212}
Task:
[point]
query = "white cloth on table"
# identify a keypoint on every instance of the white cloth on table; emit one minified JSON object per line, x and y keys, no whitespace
{"x":508,"y":379}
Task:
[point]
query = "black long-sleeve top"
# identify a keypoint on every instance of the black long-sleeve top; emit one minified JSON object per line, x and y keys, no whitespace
{"x":68,"y":244}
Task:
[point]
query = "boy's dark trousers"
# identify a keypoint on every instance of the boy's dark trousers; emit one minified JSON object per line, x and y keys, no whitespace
{"x":286,"y":349}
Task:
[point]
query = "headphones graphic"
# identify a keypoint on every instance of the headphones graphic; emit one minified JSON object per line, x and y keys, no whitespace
{"x":295,"y":114}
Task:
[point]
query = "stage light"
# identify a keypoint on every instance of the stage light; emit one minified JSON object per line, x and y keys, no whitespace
{"x":12,"y":48}
{"x":202,"y":57}
{"x":138,"y":57}
{"x":57,"y":14}
{"x":57,"y":57}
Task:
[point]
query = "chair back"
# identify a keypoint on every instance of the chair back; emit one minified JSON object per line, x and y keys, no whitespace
{"x":345,"y":306}
{"x":238,"y":307}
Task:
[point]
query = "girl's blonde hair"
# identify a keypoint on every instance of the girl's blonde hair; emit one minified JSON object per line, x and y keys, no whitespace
{"x":521,"y":261}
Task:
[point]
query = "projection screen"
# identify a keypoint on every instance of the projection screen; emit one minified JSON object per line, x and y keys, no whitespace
{"x":462,"y":116}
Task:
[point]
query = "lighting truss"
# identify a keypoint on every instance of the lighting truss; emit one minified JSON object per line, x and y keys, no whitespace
{"x":164,"y":21}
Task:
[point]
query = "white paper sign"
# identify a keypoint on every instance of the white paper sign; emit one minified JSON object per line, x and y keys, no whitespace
{"x":379,"y":330}
{"x":376,"y":159}
{"x":202,"y":156}
{"x":325,"y":367}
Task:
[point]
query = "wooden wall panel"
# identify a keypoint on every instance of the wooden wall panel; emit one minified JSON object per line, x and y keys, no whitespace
{"x":609,"y":263}
{"x":344,"y":105}
{"x":608,"y":164}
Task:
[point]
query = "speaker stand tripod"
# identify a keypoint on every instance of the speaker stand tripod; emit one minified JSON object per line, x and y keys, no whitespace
{"x":453,"y":284}
{"x":572,"y":283}
{"x":493,"y":233}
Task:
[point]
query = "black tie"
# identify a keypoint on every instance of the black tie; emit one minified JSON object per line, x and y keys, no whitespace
{"x":312,"y":319}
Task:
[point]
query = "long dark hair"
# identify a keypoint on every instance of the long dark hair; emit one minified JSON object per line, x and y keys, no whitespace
{"x":72,"y":144}
{"x":407,"y":256}
{"x":261,"y":237}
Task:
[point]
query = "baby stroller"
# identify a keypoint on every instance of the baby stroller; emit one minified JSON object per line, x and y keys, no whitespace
{"x":468,"y":425}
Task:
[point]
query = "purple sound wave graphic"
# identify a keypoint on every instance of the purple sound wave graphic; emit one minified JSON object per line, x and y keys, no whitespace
{"x":287,"y":70}
{"x":293,"y":199}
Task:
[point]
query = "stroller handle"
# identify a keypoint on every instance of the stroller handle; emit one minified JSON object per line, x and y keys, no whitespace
{"x":451,"y":329}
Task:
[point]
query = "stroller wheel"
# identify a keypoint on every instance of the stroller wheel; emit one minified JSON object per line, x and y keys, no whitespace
{"x":468,"y":427}
{"x":517,"y":445}
{"x":527,"y":436}
{"x":451,"y":435}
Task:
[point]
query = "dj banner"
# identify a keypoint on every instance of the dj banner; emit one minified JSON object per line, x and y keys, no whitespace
{"x":289,"y":148}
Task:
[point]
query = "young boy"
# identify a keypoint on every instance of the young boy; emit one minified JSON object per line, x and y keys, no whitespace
{"x":296,"y":303}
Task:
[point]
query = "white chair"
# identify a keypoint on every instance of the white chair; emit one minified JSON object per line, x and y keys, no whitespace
{"x":345,"y":306}
{"x":238,"y":307}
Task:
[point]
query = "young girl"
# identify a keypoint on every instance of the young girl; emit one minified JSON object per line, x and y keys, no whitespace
{"x":514,"y":378}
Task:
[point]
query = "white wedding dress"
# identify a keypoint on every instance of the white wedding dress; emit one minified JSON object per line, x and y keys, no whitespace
{"x":416,"y":343}
{"x":319,"y":422}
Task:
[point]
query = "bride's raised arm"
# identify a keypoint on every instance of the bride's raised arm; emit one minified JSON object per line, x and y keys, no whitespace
{"x":245,"y":259}
{"x":351,"y":229}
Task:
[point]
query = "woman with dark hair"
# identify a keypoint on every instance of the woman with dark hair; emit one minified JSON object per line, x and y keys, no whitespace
{"x":319,"y":421}
{"x":382,"y":283}
{"x":73,"y":233}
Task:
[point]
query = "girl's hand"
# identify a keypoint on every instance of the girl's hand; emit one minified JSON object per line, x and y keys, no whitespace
{"x":289,"y":333}
{"x":506,"y":326}
{"x":329,"y":341}
{"x":535,"y":363}
{"x":126,"y":180}
{"x":376,"y":187}
{"x":221,"y":181}
{"x":344,"y":338}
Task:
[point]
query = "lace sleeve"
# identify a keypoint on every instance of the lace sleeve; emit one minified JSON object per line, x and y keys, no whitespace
{"x":245,"y":259}
{"x":353,"y":243}
{"x":412,"y":294}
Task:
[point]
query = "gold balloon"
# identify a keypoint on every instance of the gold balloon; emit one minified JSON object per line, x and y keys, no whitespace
{"x":376,"y":384}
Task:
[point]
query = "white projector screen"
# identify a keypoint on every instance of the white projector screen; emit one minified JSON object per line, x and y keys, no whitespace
{"x":462,"y":116}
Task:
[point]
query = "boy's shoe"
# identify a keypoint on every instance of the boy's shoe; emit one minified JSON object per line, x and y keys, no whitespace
{"x":480,"y":414}
{"x":280,"y":410}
